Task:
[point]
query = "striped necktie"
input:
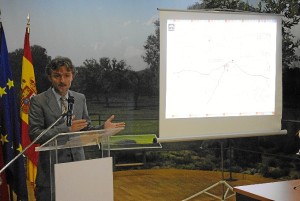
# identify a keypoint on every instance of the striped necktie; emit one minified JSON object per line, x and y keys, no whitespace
{"x":63,"y":104}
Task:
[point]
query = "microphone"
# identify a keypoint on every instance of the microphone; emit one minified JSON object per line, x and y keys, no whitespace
{"x":70,"y":110}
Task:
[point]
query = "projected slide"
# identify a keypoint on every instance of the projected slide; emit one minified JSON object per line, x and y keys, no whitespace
{"x":220,"y":68}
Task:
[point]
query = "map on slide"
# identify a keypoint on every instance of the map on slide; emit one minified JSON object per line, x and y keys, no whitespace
{"x":220,"y":68}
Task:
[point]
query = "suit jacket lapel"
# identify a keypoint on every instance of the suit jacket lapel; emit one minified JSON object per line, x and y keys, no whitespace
{"x":52,"y":102}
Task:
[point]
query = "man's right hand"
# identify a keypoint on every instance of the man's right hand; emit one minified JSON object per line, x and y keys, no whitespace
{"x":78,"y":125}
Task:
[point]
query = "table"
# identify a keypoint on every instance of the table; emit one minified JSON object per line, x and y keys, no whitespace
{"x":274,"y":191}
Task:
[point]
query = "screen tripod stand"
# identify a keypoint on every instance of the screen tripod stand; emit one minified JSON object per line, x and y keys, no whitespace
{"x":225,"y":193}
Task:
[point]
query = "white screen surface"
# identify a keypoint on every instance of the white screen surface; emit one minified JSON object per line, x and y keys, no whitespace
{"x":220,"y":74}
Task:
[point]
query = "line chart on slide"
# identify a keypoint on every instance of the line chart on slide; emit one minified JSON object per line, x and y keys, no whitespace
{"x":227,"y":90}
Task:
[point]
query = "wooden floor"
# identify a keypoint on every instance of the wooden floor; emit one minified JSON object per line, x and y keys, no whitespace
{"x":172,"y":184}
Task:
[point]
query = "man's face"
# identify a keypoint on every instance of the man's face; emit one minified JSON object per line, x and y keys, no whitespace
{"x":61,"y":80}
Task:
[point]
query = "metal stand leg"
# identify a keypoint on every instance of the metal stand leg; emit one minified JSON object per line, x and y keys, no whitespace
{"x":222,"y":182}
{"x":224,"y":195}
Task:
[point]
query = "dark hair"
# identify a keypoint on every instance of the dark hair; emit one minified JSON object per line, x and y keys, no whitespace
{"x":58,"y":62}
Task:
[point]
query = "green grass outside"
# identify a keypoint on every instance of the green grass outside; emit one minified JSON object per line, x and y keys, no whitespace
{"x":141,"y":121}
{"x":138,"y":139}
{"x":133,"y":126}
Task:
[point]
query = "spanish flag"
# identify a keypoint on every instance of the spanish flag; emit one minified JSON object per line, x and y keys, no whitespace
{"x":28,"y":89}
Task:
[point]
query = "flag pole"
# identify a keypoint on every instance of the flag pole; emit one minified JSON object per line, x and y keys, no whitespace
{"x":28,"y":89}
{"x":28,"y":23}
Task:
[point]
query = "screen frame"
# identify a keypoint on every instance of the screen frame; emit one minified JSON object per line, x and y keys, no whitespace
{"x":182,"y":129}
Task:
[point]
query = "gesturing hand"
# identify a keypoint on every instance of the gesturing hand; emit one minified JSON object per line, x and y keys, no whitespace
{"x":109,"y":124}
{"x":79,"y":124}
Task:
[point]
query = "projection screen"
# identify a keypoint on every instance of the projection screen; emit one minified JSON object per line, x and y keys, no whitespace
{"x":220,"y":74}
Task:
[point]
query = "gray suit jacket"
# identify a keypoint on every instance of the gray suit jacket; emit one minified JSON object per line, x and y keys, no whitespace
{"x":44,"y":110}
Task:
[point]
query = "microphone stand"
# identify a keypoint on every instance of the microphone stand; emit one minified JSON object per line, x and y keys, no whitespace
{"x":36,"y":139}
